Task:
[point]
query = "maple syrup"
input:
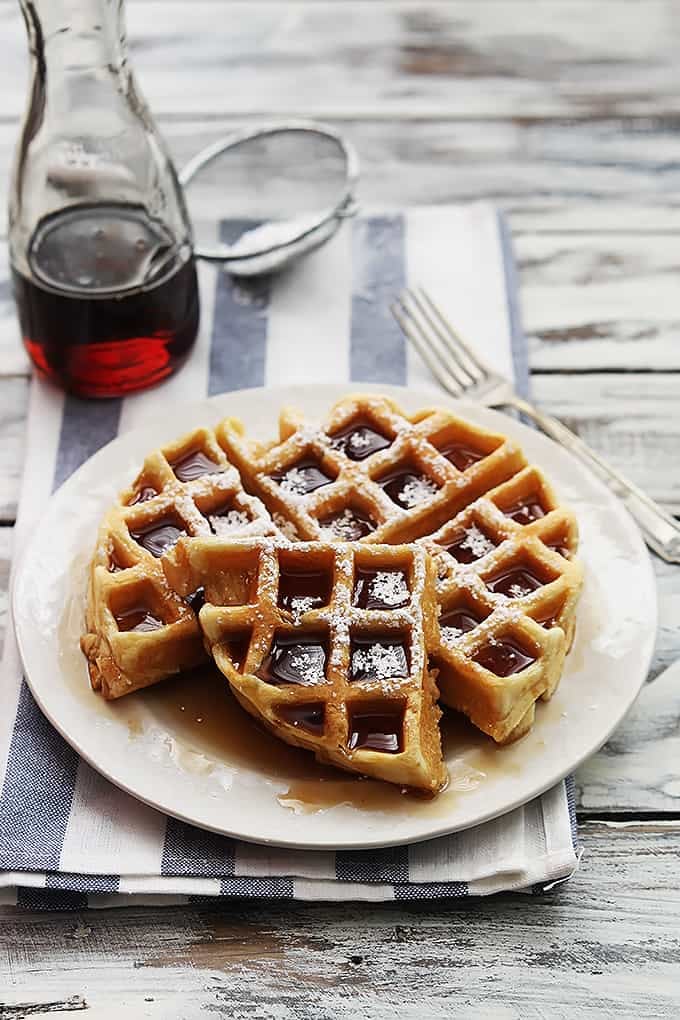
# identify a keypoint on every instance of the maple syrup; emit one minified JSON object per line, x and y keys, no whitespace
{"x":348,"y":524}
{"x":407,"y":487}
{"x":303,"y":477}
{"x":95,"y":317}
{"x":461,"y":456}
{"x":380,"y":589}
{"x":296,"y":659}
{"x":359,"y":440}
{"x":194,"y":464}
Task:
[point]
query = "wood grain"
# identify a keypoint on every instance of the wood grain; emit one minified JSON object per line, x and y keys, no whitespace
{"x":565,"y":113}
{"x":605,"y":945}
{"x":412,"y":60}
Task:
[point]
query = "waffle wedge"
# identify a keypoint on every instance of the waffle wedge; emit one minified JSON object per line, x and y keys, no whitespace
{"x":138,"y":629}
{"x":370,"y":473}
{"x":327,"y":645}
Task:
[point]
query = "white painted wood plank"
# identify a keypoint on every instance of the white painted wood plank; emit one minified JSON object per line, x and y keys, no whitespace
{"x":631,"y":419}
{"x":464,"y":59}
{"x":605,"y":945}
{"x":13,"y":411}
{"x":594,"y":301}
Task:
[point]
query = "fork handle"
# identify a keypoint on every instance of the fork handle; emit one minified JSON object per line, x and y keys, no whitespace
{"x":660,"y":530}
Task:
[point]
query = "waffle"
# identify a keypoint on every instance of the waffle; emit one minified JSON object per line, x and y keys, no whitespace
{"x":139,"y":630}
{"x":326,"y":644}
{"x":370,"y":473}
{"x":507,"y":588}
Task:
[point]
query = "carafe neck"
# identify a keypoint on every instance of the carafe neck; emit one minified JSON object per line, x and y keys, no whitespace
{"x":75,"y":36}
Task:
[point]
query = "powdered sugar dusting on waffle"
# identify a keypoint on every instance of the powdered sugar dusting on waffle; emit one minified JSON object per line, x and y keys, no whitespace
{"x":293,"y":483}
{"x":477,"y":542}
{"x":417,"y":491}
{"x":379,"y":662}
{"x":233,"y":520}
{"x":389,"y":587}
{"x":309,"y":666}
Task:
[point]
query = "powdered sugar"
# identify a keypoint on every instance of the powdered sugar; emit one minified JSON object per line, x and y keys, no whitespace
{"x":416,"y":491}
{"x":477,"y":542}
{"x":286,"y":527}
{"x":450,"y":635}
{"x":294,"y":482}
{"x":308,"y":665}
{"x":389,"y":587}
{"x":233,"y":520}
{"x":379,"y":662}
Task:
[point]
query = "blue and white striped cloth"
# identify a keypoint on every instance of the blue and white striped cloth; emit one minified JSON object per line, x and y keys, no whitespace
{"x":68,"y":838}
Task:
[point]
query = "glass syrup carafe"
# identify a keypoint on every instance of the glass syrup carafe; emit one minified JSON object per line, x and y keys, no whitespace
{"x":100,"y":241}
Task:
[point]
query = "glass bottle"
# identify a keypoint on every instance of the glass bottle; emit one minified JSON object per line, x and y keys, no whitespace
{"x":100,"y":241}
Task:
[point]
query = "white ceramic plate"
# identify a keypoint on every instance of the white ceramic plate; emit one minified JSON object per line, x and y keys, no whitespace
{"x":195,"y":755}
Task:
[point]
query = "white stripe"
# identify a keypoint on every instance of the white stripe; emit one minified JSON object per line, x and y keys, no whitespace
{"x":309,"y":316}
{"x":307,"y":889}
{"x":498,"y":845}
{"x":161,"y":885}
{"x":455,"y":254}
{"x":45,"y":407}
{"x":253,"y":861}
{"x":191,"y":382}
{"x":109,"y":831}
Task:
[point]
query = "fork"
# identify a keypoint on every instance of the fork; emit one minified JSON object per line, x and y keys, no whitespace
{"x":462,"y":373}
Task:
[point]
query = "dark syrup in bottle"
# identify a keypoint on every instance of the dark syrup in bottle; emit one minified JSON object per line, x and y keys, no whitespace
{"x":111,"y":306}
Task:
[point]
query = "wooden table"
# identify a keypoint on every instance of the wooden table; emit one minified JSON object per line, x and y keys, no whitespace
{"x":565,"y":113}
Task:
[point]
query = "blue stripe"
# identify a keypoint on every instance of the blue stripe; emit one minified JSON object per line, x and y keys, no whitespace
{"x":86,"y":426}
{"x":279,"y":888}
{"x":191,"y":851}
{"x":67,"y":881}
{"x":41,"y":770}
{"x":37,"y":792}
{"x":239,"y":331}
{"x":431,"y":891}
{"x":49,"y":900}
{"x":388,"y":865}
{"x":377,"y":347}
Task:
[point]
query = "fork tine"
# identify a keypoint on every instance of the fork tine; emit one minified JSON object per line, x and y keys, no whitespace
{"x":454,"y":337}
{"x":450,"y":350}
{"x":430,"y":335}
{"x":412,"y":334}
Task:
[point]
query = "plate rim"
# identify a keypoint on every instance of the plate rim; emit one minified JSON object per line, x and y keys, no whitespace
{"x":439,"y":826}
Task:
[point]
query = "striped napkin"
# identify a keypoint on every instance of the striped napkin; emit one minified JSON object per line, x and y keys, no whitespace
{"x":69,"y":839}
